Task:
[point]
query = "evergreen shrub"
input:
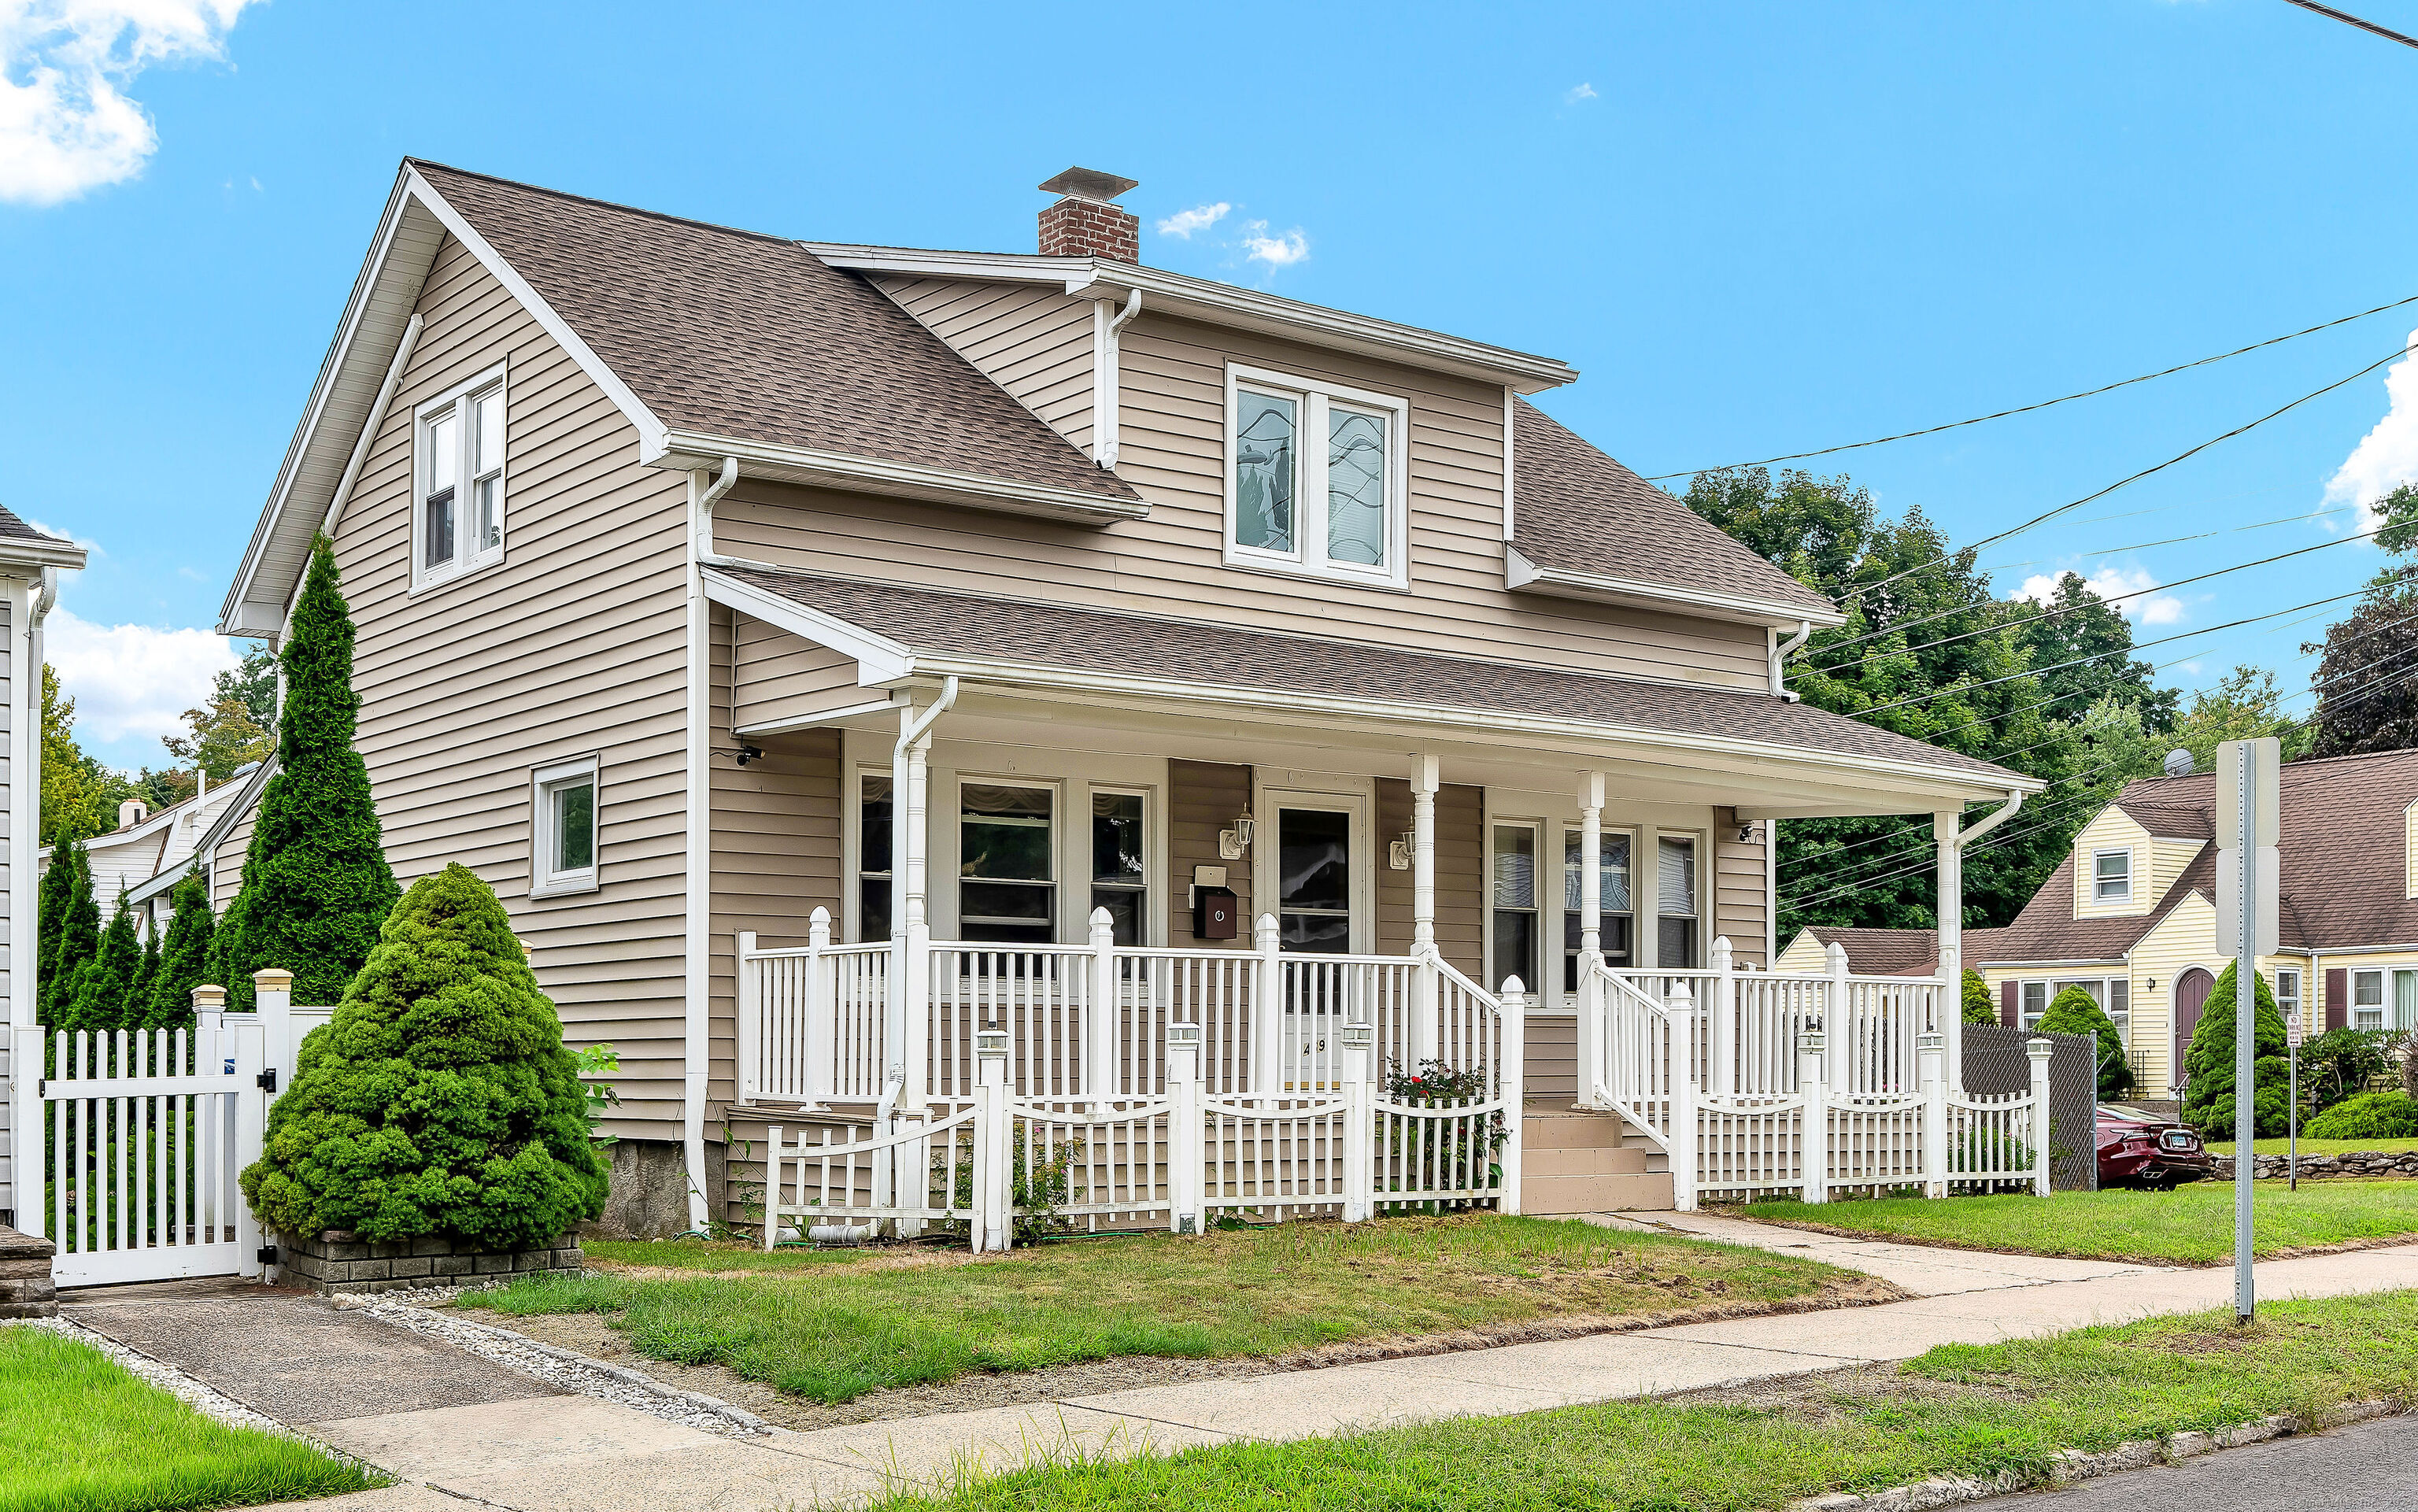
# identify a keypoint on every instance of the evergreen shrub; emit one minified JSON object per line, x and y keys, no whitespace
{"x":440,"y":1099}
{"x":2208,"y":1104}
{"x":2384,"y":1115}
{"x":1979,"y":1007}
{"x":2076,"y":1011}
{"x":184,"y":955}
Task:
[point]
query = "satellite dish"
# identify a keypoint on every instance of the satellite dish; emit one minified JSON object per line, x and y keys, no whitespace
{"x":2179,"y":763}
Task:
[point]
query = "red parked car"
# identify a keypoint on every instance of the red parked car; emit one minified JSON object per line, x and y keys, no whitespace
{"x":2143,"y":1149}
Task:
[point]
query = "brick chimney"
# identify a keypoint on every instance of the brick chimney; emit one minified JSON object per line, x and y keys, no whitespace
{"x":1083,"y":222}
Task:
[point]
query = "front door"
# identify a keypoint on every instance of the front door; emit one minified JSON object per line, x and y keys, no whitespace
{"x":2191,"y":995}
{"x":1311,"y":877}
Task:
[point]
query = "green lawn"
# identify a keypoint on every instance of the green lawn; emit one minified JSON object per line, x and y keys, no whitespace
{"x":78,"y":1433}
{"x":1976,"y":1410}
{"x":832,"y":1330}
{"x":2190,"y":1225}
{"x":2321,"y":1147}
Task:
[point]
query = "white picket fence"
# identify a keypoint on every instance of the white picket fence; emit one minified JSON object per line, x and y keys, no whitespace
{"x":1804,"y":1086}
{"x":1169,"y":1131}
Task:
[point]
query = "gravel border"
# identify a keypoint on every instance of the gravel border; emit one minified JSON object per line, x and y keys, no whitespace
{"x":2073,"y":1465}
{"x":582,"y":1374}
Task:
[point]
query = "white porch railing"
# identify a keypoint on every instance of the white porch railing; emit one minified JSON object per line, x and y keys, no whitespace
{"x":1752,"y":1082}
{"x":1111,"y":1085}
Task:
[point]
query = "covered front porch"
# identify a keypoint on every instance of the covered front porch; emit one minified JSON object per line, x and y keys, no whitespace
{"x":1201,"y":939}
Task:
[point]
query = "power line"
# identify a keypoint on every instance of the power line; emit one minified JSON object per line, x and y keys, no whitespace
{"x":2045,"y":404}
{"x":2060,"y":805}
{"x":2349,"y":19}
{"x":1992,"y":843}
{"x":2249,"y":425}
{"x":2175,"y":541}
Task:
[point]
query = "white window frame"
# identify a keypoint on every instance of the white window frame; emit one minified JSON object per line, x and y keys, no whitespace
{"x":2026,"y":1015}
{"x":2382,"y":1007}
{"x":2098,"y":884}
{"x":1148,"y":887}
{"x":1308,"y":559}
{"x":545,"y":881}
{"x":457,"y":401}
{"x":1701,"y":898}
{"x":2287,"y":999}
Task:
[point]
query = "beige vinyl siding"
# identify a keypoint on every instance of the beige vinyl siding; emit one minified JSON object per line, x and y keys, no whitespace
{"x":1034,"y":343}
{"x":1459,"y":866}
{"x":1741,"y":906}
{"x":1550,"y":1068}
{"x":1203,"y":798}
{"x":576,"y":646}
{"x":1172,"y":449}
{"x":226,"y":862}
{"x":775,"y":677}
{"x":776,"y":853}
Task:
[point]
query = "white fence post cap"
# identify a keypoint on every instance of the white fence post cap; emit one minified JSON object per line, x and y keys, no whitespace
{"x":210,"y":997}
{"x":1359,"y":1036}
{"x":990,"y":1044}
{"x":2039,"y":1049}
{"x":1811,"y":1040}
{"x":1184,"y":1036}
{"x":1933,"y":1040}
{"x":272,"y":979}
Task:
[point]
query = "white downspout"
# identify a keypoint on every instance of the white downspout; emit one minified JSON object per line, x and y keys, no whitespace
{"x":1990,"y":821}
{"x":1106,"y":379}
{"x":1782,"y":650}
{"x":910,"y":915}
{"x":696,"y":964}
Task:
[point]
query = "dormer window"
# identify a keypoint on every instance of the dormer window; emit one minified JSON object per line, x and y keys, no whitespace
{"x":2111,"y":876}
{"x":457,"y":520}
{"x":1315,"y":479}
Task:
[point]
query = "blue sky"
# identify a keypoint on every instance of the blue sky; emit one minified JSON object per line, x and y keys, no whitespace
{"x":1754,"y":228}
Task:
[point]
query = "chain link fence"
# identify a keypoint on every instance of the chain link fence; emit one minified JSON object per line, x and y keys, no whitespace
{"x":1996,"y":1062}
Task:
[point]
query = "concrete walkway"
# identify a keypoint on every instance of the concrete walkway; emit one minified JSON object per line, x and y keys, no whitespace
{"x":539,"y":1453}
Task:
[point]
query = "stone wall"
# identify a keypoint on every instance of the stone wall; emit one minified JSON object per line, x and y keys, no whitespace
{"x":2351,"y":1163}
{"x":26,"y":1289}
{"x":338,"y":1260}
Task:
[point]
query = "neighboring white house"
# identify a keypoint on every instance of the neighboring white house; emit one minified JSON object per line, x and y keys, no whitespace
{"x":145,"y":855}
{"x":29,"y":568}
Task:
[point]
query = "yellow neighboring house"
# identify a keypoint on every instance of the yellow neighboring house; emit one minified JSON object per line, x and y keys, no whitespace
{"x":2130,"y":916}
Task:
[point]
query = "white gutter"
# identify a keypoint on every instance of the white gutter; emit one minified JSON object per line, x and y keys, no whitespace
{"x":696,"y":1047}
{"x":1991,"y":821}
{"x":1782,"y":650}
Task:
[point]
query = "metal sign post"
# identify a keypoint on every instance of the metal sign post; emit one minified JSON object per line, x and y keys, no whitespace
{"x":2292,"y":1144}
{"x":2247,"y":830}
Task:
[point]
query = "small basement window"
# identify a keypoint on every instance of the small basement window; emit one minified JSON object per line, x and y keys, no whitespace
{"x":2111,"y":876}
{"x":565,"y":828}
{"x":1316,"y":479}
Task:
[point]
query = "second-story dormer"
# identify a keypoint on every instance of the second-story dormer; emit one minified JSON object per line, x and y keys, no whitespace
{"x":2128,"y":857}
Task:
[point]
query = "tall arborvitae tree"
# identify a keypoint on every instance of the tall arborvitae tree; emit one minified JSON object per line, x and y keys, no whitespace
{"x":51,"y":922}
{"x":315,"y":881}
{"x":147,"y":972}
{"x":184,"y":955}
{"x":105,"y":985}
{"x":78,"y":936}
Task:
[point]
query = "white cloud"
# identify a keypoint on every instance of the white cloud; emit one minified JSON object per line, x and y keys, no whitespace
{"x":91,"y":546}
{"x":1585,"y":91}
{"x":65,"y":124}
{"x":2108,"y":582}
{"x":1279,"y":251}
{"x":132,"y":680}
{"x":2386,"y":456}
{"x":1199,"y":218}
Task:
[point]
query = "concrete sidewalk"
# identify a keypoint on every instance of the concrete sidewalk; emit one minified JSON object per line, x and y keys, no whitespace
{"x":541,"y":1453}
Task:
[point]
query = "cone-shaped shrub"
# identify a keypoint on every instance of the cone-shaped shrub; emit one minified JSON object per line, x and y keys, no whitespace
{"x":104,"y":988}
{"x":440,"y":1099}
{"x":146,"y":971}
{"x":184,"y":956}
{"x":51,"y":923}
{"x":2076,"y":1011}
{"x":78,"y":938}
{"x":315,"y":881}
{"x":2208,"y":1103}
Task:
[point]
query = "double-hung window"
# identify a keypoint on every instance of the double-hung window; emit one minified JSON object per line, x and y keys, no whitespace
{"x":1674,"y":915}
{"x":1612,"y":899}
{"x":563,"y":857}
{"x":2368,"y":1000}
{"x":2035,"y":1003}
{"x":2287,"y":993}
{"x":1007,"y":890}
{"x":873,"y":863}
{"x":2111,"y":876}
{"x":457,"y":520}
{"x":1120,"y":876}
{"x":1316,"y":479}
{"x":1514,"y":886}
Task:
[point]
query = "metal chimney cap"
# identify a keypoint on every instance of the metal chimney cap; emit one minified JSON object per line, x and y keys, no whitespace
{"x":1087,"y":184}
{"x":2179,"y":763}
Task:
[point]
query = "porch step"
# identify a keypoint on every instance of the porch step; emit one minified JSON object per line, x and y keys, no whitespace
{"x":1580,"y":1160}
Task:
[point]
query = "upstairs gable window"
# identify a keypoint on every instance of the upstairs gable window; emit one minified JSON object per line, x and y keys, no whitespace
{"x":1316,"y":479}
{"x":2111,"y":876}
{"x":457,"y":522}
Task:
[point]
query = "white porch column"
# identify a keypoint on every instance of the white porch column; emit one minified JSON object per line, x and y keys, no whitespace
{"x":1950,"y":908}
{"x":911,"y":934}
{"x":1590,"y":1004}
{"x":1424,"y":1030}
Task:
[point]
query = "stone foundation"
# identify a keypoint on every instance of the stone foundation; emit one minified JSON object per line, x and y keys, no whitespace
{"x":336,"y":1260}
{"x":648,"y":1195}
{"x":26,"y":1288}
{"x":2351,"y":1163}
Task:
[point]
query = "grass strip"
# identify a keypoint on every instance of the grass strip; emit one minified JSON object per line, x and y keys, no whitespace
{"x":2323,"y":1147}
{"x":80,"y":1433}
{"x":832,"y":1332}
{"x":1962,"y":1409}
{"x":2189,"y":1225}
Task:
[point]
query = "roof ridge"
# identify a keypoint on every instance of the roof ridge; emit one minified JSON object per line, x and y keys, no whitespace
{"x":665,"y":217}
